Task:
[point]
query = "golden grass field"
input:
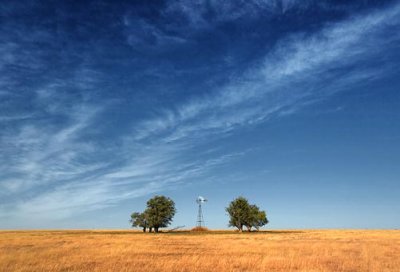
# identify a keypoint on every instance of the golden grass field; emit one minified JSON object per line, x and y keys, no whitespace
{"x":303,"y":250}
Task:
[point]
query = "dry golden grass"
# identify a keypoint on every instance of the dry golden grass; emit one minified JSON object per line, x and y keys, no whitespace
{"x":314,"y":250}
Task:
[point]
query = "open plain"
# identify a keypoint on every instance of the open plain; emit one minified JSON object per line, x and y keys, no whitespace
{"x":291,"y":250}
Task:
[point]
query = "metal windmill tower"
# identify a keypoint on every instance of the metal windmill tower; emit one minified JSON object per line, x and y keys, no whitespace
{"x":200,"y":220}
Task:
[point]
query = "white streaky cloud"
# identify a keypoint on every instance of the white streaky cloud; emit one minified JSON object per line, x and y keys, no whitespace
{"x":51,"y":157}
{"x":9,"y":118}
{"x":97,"y":192}
{"x":290,"y":73}
{"x":299,"y":55}
{"x":58,"y":173}
{"x":38,"y":151}
{"x":235,"y":106}
{"x":193,"y":17}
{"x":194,"y":11}
{"x":141,"y":33}
{"x":45,"y":155}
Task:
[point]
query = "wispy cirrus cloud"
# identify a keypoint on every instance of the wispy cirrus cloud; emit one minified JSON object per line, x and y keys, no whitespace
{"x":51,"y":169}
{"x":300,"y":69}
{"x":179,"y":20}
{"x":54,"y":164}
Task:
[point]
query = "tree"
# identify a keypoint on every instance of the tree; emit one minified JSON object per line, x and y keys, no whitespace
{"x":238,"y":211}
{"x":160,"y":211}
{"x":242,"y":213}
{"x":261,"y":220}
{"x":255,"y":218}
{"x":139,"y":220}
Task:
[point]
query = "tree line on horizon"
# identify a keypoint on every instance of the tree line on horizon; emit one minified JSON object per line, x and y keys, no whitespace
{"x":160,"y":211}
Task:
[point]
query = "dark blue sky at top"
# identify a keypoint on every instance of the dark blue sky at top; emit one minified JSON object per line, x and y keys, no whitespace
{"x":293,"y":104}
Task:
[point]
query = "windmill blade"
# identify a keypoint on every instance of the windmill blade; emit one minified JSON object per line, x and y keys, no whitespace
{"x":201,"y":199}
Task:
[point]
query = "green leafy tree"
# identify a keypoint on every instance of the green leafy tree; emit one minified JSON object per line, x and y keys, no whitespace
{"x":261,"y":220}
{"x":238,"y":210}
{"x":256,"y":218}
{"x":242,"y":213}
{"x":160,"y":211}
{"x":139,"y":220}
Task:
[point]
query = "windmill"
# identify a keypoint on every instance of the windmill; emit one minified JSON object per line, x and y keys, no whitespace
{"x":200,"y":220}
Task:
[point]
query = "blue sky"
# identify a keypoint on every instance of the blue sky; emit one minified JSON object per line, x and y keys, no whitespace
{"x":292,"y":104}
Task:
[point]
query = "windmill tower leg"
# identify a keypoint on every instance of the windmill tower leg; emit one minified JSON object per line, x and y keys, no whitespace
{"x":200,"y":219}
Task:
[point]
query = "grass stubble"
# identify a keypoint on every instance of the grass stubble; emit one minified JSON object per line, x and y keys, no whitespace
{"x":302,"y":250}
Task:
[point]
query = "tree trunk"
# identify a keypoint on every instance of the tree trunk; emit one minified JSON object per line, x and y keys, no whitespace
{"x":156,"y":229}
{"x":144,"y":229}
{"x":150,"y":229}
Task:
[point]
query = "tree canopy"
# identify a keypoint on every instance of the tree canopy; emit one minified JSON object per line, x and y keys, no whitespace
{"x":158,"y":214}
{"x":242,"y":213}
{"x":139,"y":220}
{"x":160,"y":211}
{"x":238,"y":211}
{"x":256,"y":218}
